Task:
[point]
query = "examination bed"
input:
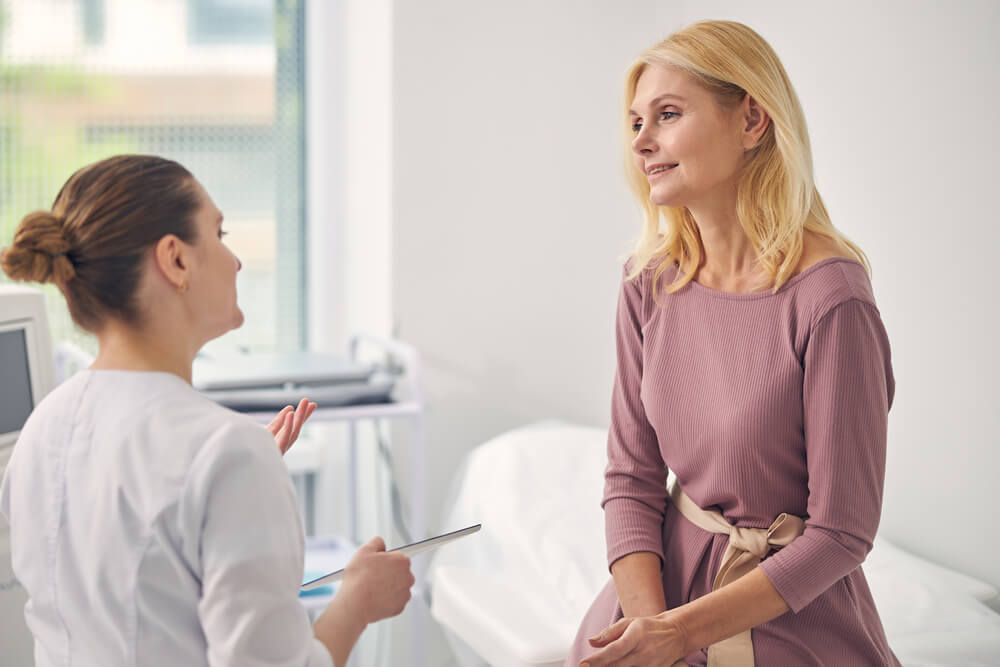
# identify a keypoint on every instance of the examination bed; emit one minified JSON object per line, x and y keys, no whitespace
{"x":513,"y":596}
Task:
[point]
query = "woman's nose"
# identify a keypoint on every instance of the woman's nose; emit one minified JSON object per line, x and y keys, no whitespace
{"x":239,"y":264}
{"x":643,"y":142}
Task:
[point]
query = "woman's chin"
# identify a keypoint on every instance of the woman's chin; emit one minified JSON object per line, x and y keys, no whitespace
{"x":664,"y":199}
{"x":674,"y":195}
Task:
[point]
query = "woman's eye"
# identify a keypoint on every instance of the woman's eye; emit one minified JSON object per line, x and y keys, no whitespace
{"x":664,"y":115}
{"x":222,"y":233}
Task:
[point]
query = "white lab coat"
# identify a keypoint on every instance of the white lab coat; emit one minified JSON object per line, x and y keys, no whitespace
{"x":151,"y":526}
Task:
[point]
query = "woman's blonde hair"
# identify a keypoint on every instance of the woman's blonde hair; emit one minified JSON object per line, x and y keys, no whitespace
{"x":776,"y":197}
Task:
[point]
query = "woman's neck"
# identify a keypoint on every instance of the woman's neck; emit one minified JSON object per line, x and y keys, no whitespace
{"x":729,"y":262}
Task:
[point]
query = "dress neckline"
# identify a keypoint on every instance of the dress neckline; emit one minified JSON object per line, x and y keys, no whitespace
{"x":768,"y":293}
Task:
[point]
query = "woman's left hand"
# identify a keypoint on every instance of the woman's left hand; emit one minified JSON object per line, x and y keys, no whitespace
{"x":642,"y":641}
{"x":286,"y":426}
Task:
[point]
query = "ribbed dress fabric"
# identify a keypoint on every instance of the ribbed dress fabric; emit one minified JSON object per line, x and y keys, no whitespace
{"x":760,"y":404}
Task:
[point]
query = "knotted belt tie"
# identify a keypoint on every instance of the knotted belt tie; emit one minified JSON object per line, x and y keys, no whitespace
{"x":746,"y":548}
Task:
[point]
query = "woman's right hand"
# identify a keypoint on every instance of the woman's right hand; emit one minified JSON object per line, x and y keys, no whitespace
{"x":648,"y":641}
{"x":377,"y":581}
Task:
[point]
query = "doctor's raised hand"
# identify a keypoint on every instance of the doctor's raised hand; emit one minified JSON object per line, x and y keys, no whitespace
{"x":286,"y":425}
{"x":167,"y":523}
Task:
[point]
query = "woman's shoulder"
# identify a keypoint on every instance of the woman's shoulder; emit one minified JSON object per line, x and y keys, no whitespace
{"x":662,"y":268}
{"x":828,"y":282}
{"x":644,"y":287}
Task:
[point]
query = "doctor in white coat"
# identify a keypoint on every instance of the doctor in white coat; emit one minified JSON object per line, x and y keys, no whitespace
{"x":149,"y":525}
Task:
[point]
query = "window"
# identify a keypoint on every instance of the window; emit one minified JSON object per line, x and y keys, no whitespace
{"x":231,"y":21}
{"x":93,"y":21}
{"x":214,"y":84}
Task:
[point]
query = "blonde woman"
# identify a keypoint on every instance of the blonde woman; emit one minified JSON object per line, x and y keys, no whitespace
{"x":753,"y":364}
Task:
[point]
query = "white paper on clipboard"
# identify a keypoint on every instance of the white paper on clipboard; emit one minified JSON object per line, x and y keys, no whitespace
{"x":409,"y":550}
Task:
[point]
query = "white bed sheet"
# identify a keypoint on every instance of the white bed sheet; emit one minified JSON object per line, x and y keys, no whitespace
{"x":515,"y":593}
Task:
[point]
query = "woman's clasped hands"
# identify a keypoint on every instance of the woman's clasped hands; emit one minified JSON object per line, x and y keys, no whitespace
{"x":644,"y":641}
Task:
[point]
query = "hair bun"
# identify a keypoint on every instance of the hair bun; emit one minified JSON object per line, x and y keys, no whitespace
{"x":39,"y":251}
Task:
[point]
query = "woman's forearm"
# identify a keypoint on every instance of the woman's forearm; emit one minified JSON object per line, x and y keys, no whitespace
{"x":639,"y":584}
{"x":743,"y":604}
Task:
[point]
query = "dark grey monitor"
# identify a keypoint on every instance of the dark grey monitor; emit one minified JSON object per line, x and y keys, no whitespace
{"x":16,"y":401}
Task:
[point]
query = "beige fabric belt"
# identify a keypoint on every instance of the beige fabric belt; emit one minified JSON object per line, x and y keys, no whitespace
{"x":746,"y":548}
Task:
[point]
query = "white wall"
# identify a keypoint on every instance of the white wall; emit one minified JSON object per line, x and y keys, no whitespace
{"x":901,"y":100}
{"x":349,"y":115}
{"x":510,"y":215}
{"x":348,"y":111}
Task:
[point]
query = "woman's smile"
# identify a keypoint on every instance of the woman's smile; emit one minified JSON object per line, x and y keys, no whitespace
{"x":654,"y":172}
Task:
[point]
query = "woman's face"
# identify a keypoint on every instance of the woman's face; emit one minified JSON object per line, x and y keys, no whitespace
{"x":689,"y":146}
{"x":212,"y":290}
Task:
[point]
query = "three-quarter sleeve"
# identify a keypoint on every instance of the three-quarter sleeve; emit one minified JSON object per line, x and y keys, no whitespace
{"x":635,"y":478}
{"x":847,"y":390}
{"x":249,"y":555}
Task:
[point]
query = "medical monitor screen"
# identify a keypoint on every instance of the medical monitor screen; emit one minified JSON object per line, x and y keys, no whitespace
{"x":15,"y":389}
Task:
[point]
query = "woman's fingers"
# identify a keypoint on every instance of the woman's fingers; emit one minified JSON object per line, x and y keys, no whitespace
{"x":648,"y":641}
{"x":610,"y":633}
{"x":613,"y":652}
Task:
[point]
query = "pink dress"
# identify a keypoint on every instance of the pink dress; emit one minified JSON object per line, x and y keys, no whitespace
{"x":760,"y":404}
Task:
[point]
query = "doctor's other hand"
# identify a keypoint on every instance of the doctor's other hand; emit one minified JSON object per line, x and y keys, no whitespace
{"x":286,"y":425}
{"x":378,"y":581}
{"x":642,"y":641}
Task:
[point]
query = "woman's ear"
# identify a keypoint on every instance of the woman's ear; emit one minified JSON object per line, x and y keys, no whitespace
{"x":755,"y":121}
{"x":172,"y":261}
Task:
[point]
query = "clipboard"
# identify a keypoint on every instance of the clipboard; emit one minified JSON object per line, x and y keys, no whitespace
{"x":409,"y":549}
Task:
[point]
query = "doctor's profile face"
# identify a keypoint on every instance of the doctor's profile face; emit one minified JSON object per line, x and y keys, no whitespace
{"x":686,"y":143}
{"x":212,"y":291}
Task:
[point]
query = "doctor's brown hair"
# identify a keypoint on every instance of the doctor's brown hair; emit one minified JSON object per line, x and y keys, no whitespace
{"x":93,"y":242}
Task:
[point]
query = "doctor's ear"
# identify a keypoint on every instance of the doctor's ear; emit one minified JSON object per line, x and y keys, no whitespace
{"x":171,"y":257}
{"x":756,"y":121}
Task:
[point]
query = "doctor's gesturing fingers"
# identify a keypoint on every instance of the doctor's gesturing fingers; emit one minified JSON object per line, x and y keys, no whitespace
{"x":286,"y":425}
{"x":644,"y":641}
